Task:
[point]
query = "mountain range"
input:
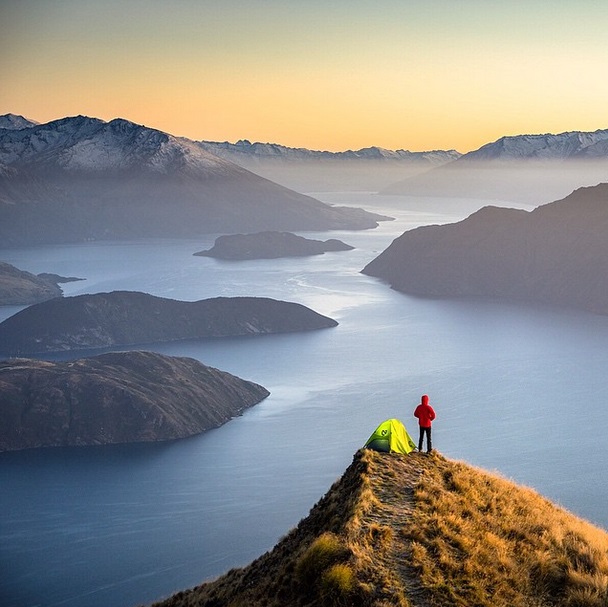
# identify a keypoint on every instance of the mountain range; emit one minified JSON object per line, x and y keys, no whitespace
{"x":244,"y":151}
{"x":305,"y":170}
{"x":527,"y":168}
{"x":81,"y":178}
{"x":556,"y":254}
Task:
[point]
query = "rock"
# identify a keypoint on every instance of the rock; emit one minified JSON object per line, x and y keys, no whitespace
{"x":270,"y":245}
{"x":115,"y":398}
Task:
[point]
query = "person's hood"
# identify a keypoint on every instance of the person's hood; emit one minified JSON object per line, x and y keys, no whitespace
{"x":425,"y":399}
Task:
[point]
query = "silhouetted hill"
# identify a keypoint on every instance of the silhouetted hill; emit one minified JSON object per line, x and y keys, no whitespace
{"x":81,"y":178}
{"x":556,"y":254}
{"x":270,"y":245}
{"x":123,"y":318}
{"x":420,"y":531}
{"x":115,"y":398}
{"x":18,"y":287}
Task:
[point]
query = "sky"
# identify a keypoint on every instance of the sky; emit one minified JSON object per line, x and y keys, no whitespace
{"x":322,"y":74}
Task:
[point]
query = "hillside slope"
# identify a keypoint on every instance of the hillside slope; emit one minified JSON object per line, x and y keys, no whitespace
{"x":422,"y":531}
{"x":556,"y":254}
{"x":118,"y":397}
{"x":18,"y":287}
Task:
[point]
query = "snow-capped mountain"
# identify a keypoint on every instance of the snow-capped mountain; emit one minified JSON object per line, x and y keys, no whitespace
{"x":307,"y":170}
{"x":89,"y":144}
{"x":14,"y":121}
{"x":244,"y":149}
{"x":543,"y":147}
{"x":523,"y":168}
{"x":83,"y":178}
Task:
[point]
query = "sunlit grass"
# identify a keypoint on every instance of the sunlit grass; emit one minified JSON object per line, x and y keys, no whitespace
{"x":423,"y":531}
{"x":479,"y":539}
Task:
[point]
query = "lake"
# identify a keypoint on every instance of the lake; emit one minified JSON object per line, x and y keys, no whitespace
{"x":518,"y":390}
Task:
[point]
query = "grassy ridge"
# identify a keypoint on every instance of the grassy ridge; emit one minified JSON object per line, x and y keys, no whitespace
{"x":423,"y":531}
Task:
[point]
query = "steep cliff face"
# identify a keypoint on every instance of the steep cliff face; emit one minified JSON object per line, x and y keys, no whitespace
{"x":115,"y":398}
{"x":417,"y":530}
{"x":129,"y":318}
{"x":556,"y":254}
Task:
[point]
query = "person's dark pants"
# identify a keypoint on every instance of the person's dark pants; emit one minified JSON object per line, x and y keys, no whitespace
{"x":429,"y":445}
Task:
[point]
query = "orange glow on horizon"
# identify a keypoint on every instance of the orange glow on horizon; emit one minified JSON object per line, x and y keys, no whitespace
{"x":416,"y":76}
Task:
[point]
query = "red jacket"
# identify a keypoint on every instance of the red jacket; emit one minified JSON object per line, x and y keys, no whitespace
{"x":424,"y":412}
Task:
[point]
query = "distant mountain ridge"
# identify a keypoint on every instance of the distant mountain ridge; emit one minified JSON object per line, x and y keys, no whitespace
{"x":273,"y":151}
{"x":80,"y":178}
{"x":569,"y":145}
{"x":306,"y":170}
{"x":529,"y":168}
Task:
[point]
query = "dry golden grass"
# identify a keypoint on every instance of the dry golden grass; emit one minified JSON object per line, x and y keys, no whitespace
{"x":422,"y":531}
{"x":478,"y":539}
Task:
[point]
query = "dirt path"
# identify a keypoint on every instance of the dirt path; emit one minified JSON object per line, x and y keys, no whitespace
{"x":394,"y":486}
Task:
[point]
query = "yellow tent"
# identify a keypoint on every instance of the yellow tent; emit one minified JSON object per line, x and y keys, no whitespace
{"x":391,"y":437}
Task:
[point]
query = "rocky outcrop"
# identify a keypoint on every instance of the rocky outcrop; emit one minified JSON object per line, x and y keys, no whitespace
{"x":126,"y":318}
{"x":270,"y":245}
{"x":556,"y":254}
{"x":115,"y":398}
{"x":18,"y":287}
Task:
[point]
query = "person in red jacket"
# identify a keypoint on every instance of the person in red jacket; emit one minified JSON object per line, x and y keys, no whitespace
{"x":425,"y":414}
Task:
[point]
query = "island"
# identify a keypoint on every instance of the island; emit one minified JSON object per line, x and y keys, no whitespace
{"x":129,"y":318}
{"x":119,"y":397}
{"x":270,"y":245}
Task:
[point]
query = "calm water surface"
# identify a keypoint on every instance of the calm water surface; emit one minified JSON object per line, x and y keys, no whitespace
{"x":518,"y":390}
